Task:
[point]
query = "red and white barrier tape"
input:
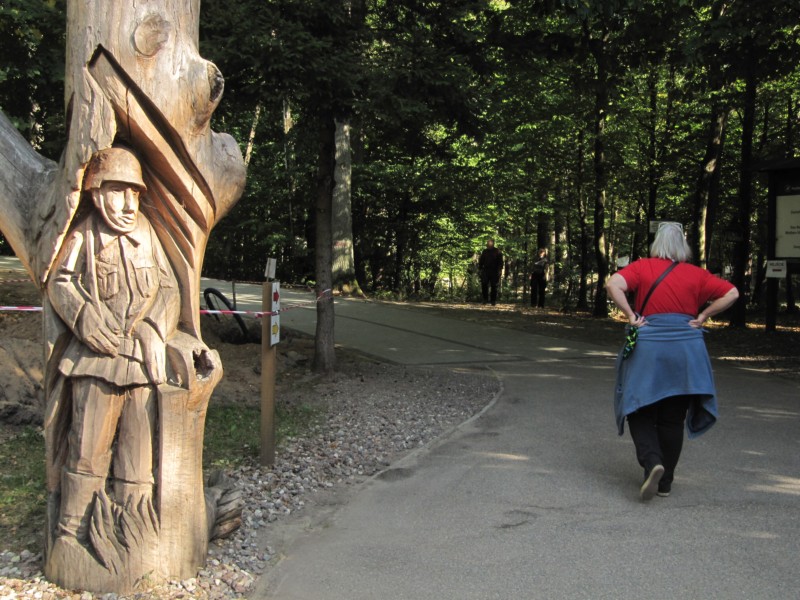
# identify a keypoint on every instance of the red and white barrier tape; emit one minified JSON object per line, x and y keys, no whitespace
{"x":2,"y":281}
{"x":248,"y":313}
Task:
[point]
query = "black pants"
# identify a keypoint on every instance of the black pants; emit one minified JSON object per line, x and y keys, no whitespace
{"x":538,"y":285}
{"x":657,"y":432}
{"x":486,"y":285}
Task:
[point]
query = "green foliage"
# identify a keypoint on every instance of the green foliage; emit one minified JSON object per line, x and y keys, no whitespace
{"x":22,"y":490}
{"x":232,"y":433}
{"x":32,"y":47}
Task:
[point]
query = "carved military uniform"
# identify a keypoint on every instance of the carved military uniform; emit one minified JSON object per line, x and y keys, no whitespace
{"x":127,"y":281}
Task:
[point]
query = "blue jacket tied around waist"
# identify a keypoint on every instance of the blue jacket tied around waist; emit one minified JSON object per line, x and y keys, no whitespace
{"x":670,"y":359}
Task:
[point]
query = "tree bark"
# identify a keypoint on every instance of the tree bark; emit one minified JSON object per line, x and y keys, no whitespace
{"x":583,"y":230}
{"x":600,"y":176}
{"x":251,"y":139}
{"x":401,"y":240}
{"x":652,"y":150}
{"x":741,"y":257}
{"x":711,"y":165}
{"x":344,"y":269}
{"x":324,"y":345}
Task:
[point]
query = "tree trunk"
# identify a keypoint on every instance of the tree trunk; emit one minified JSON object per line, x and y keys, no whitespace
{"x":344,"y":269}
{"x":401,"y":241}
{"x":324,"y":347}
{"x":652,"y":156}
{"x":600,"y":177}
{"x":251,"y":139}
{"x":583,"y":231}
{"x":790,"y":118}
{"x":710,"y":166}
{"x":133,"y":77}
{"x":713,"y":196}
{"x":741,"y":256}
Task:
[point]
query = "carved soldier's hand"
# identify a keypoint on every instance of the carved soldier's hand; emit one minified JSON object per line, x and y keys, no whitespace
{"x":95,"y":332}
{"x":154,"y":350}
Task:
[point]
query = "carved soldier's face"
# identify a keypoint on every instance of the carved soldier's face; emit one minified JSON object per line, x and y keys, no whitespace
{"x":118,"y":202}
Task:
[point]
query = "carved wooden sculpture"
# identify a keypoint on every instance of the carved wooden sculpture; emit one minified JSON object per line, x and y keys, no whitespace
{"x":115,"y":235}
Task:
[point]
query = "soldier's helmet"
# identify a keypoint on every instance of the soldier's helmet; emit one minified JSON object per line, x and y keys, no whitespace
{"x":113,"y":164}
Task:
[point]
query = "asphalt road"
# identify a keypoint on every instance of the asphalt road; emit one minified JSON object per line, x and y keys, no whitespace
{"x":538,"y":497}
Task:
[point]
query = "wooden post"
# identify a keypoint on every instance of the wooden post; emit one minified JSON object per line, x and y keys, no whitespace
{"x":268,"y":370}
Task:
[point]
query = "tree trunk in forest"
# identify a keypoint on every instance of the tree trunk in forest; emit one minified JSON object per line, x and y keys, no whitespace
{"x":560,"y":246}
{"x":583,"y":232}
{"x":741,"y":255}
{"x":291,"y":186}
{"x":133,"y":78}
{"x":344,"y":269}
{"x":712,"y":205}
{"x":790,"y":118}
{"x":711,"y":165}
{"x":251,"y":139}
{"x":324,"y":341}
{"x":543,"y":226}
{"x":652,"y":152}
{"x":401,"y":241}
{"x":600,"y":176}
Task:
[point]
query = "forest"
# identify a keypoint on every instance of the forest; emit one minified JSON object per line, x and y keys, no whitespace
{"x":391,"y":138}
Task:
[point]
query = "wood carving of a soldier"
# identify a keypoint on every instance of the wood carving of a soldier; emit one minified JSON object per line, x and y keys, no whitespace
{"x":114,"y":289}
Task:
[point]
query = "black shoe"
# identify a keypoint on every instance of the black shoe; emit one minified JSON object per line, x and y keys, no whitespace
{"x":664,"y":489}
{"x":650,"y":486}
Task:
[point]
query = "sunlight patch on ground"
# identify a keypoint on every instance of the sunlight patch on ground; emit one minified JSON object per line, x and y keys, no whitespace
{"x":504,"y":456}
{"x":780,"y":485}
{"x":751,"y":412}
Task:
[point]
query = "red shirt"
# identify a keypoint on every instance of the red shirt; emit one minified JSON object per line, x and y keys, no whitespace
{"x":685,"y":290}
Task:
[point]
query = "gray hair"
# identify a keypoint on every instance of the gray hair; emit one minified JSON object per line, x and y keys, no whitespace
{"x":670,"y":243}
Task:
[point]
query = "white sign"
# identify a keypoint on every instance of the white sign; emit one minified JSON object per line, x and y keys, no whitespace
{"x":787,"y":226}
{"x":776,"y":269}
{"x":623,"y":261}
{"x":654,"y":226}
{"x":269,"y":272}
{"x":275,"y":319}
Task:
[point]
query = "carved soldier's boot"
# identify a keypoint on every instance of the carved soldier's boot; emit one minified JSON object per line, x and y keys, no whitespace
{"x":77,"y":499}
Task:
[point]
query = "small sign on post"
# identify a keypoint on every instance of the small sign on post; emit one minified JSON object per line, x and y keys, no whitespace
{"x":776,"y":269}
{"x":270,"y":336}
{"x":269,"y":272}
{"x":275,"y":317}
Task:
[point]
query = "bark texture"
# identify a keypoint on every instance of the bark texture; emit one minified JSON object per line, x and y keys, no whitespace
{"x":344,"y":269}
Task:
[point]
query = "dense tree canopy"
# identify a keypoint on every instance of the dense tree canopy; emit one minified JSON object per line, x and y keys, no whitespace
{"x":563,"y":124}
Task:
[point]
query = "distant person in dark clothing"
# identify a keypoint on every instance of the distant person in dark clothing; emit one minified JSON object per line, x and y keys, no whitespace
{"x":490,"y":267}
{"x":539,"y":278}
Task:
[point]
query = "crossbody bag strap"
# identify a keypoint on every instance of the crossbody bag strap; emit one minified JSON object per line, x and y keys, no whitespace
{"x":655,"y":284}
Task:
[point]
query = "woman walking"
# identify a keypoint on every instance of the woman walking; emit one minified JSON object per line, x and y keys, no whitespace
{"x":666,"y":381}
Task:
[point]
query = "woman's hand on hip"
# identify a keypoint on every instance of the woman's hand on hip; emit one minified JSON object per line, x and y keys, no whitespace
{"x":697,"y":323}
{"x":637,"y":320}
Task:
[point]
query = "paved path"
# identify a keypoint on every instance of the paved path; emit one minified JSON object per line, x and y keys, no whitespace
{"x":537,"y":498}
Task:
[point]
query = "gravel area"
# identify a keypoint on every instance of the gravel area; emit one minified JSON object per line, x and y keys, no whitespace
{"x":372,"y":415}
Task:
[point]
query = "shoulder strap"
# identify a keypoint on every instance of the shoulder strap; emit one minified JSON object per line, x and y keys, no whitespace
{"x":655,"y":284}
